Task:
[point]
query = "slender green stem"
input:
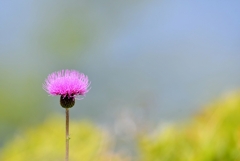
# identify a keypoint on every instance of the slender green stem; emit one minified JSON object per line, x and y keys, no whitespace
{"x":67,"y":134}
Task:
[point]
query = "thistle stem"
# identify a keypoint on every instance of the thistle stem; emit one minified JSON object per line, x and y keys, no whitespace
{"x":67,"y":134}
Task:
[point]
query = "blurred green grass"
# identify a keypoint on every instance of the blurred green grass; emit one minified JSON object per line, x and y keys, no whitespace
{"x":47,"y":142}
{"x":213,"y":135}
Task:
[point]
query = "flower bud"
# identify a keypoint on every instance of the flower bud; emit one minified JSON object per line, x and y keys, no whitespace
{"x":67,"y":102}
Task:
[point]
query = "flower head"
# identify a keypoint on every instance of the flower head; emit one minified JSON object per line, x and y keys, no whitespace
{"x":68,"y":84}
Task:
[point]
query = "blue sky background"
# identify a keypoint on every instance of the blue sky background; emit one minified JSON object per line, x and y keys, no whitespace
{"x":166,"y":57}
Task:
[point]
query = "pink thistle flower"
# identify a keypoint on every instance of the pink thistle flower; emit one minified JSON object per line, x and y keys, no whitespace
{"x":69,"y":84}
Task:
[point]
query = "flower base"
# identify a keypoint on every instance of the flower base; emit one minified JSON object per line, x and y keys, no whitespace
{"x":67,"y":102}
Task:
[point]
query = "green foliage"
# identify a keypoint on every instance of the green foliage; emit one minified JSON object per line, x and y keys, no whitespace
{"x":21,"y":101}
{"x":47,"y":142}
{"x":213,"y":135}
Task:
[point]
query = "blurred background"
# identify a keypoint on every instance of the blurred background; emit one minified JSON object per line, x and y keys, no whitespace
{"x":150,"y":63}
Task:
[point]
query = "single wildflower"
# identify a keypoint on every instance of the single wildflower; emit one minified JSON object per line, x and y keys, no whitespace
{"x":69,"y":84}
